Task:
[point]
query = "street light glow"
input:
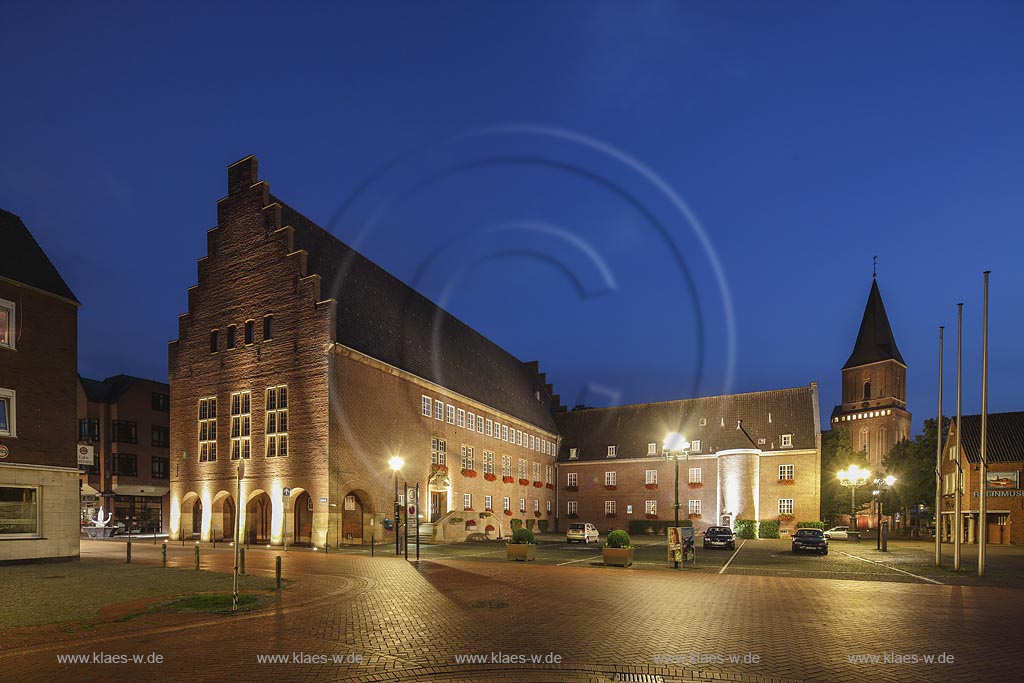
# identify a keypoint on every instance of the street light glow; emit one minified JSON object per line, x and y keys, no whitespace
{"x":396,"y":463}
{"x":676,"y":442}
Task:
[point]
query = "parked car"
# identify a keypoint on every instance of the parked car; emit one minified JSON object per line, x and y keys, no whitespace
{"x":839,"y":533}
{"x":584,"y":532}
{"x":719,"y":537}
{"x":810,"y":539}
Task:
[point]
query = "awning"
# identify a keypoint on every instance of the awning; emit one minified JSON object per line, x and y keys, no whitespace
{"x":89,"y":491}
{"x":126,"y":490}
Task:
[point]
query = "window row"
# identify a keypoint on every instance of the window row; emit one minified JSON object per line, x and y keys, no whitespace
{"x":438,"y":410}
{"x":240,"y":416}
{"x":467,"y":463}
{"x":506,"y":502}
{"x":122,"y":431}
{"x":694,"y":476}
{"x":127,"y":465}
{"x":248,"y":334}
{"x":693,"y":507}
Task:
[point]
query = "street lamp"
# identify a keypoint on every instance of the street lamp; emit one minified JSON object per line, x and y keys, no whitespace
{"x":675,"y":445}
{"x":396,"y":464}
{"x":852,"y":477}
{"x":881,"y":485}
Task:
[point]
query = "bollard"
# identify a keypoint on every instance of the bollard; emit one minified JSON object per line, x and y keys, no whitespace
{"x":163,"y":559}
{"x":197,"y":558}
{"x":128,"y":552}
{"x":241,"y":561}
{"x":371,"y":545}
{"x":277,"y":571}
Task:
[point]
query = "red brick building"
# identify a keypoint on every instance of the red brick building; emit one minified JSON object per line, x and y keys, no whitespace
{"x":38,"y":373}
{"x":751,"y":456}
{"x":315,"y":366}
{"x":1004,"y":494}
{"x":125,"y":421}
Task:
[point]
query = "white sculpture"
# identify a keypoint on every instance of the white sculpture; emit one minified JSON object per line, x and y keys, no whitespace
{"x":98,"y":519}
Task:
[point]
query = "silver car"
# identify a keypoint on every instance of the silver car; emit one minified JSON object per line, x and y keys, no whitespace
{"x":584,"y":532}
{"x":840,"y":533}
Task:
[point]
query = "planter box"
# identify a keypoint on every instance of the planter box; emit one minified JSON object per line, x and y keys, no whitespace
{"x":617,"y":557}
{"x":521,"y":552}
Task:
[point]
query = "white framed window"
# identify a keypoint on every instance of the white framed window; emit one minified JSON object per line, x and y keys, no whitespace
{"x":277,"y":421}
{"x":207,"y":429}
{"x":536,"y":505}
{"x":651,"y":477}
{"x":241,"y":424}
{"x":467,"y":458}
{"x":460,"y":420}
{"x":650,"y":507}
{"x":519,"y":437}
{"x":487,"y":503}
{"x":488,"y":462}
{"x":549,"y":506}
{"x":504,"y":432}
{"x":467,"y":501}
{"x":533,"y":443}
{"x":570,"y":479}
{"x":652,"y":449}
{"x":8,"y":413}
{"x":574,"y":453}
{"x":703,"y":422}
{"x":536,"y":471}
{"x":479,"y":425}
{"x":611,"y":451}
{"x":571,"y":507}
{"x":609,"y":507}
{"x":438,"y":410}
{"x":696,"y":475}
{"x":787,"y":440}
{"x":609,"y":478}
{"x":425,"y":406}
{"x":438,"y":452}
{"x":488,"y":427}
{"x":695,"y":446}
{"x":506,"y":504}
{"x":549,"y":474}
{"x":785,"y":506}
{"x":506,"y":465}
{"x":786,"y":472}
{"x":522,"y":505}
{"x":450,"y":412}
{"x":695,"y":507}
{"x":7,"y":326}
{"x":523,"y":469}
{"x":19,"y":512}
{"x":471,"y":420}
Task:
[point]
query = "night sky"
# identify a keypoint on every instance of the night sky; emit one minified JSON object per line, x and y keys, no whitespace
{"x":654,"y":200}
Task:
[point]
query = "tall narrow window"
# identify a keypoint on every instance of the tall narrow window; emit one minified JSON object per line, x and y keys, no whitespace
{"x":438,"y":410}
{"x":7,"y":324}
{"x":241,"y":424}
{"x":694,"y":507}
{"x":571,"y":508}
{"x":268,"y":327}
{"x":488,"y":426}
{"x":467,"y":458}
{"x":488,"y":462}
{"x":207,"y":429}
{"x":7,"y":413}
{"x":867,"y":390}
{"x":425,"y":406}
{"x":479,"y":425}
{"x":450,"y":413}
{"x":277,"y":421}
{"x":506,"y":466}
{"x":231,"y":336}
{"x":213,"y":341}
{"x":461,"y":417}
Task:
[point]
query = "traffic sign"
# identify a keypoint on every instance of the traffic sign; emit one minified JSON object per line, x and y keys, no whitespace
{"x":412,"y":510}
{"x":286,"y":492}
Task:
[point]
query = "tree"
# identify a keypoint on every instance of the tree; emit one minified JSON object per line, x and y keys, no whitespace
{"x":837,"y":454}
{"x":913,"y":465}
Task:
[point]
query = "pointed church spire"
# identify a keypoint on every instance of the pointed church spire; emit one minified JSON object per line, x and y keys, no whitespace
{"x":875,"y":341}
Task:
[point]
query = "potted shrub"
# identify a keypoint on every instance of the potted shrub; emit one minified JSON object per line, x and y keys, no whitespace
{"x":543,"y":526}
{"x":470,"y":525}
{"x":522,"y":547}
{"x":489,"y":530}
{"x":618,"y":550}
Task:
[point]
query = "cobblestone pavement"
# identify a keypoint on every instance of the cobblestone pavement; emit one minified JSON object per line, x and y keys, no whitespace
{"x":409,"y":622}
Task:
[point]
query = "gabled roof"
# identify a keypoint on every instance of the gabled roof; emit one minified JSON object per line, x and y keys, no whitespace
{"x":382,"y":317}
{"x":875,"y":341}
{"x":25,"y":262}
{"x":1005,"y":437}
{"x":731,"y":421}
{"x":112,"y":388}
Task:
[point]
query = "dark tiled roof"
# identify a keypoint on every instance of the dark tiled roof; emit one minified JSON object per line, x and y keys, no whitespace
{"x":381,"y":316}
{"x":632,"y":428}
{"x":875,"y":341}
{"x":112,"y":388}
{"x":25,"y":262}
{"x":1005,"y":437}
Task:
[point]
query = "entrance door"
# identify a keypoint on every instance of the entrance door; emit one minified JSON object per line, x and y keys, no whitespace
{"x":352,"y":519}
{"x":437,"y":500}
{"x":197,"y":518}
{"x":303,"y":532}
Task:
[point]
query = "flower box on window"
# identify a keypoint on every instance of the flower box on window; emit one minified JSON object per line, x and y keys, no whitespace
{"x":650,"y":487}
{"x":650,"y":516}
{"x":507,"y":513}
{"x":611,"y":487}
{"x":694,"y":515}
{"x":434,"y":469}
{"x":507,"y":480}
{"x":572,"y":489}
{"x":524,"y":482}
{"x":467,"y":509}
{"x":572,"y":515}
{"x":489,"y":528}
{"x":490,"y":477}
{"x":536,"y":513}
{"x":469,"y":473}
{"x":550,"y":486}
{"x":610,"y":515}
{"x":787,"y":482}
{"x":696,"y":485}
{"x":785,"y":518}
{"x":538,"y":484}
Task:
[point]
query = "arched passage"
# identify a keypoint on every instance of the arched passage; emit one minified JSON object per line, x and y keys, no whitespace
{"x":222,"y":519}
{"x":186,"y":516}
{"x":356,"y":516}
{"x":258,"y":515}
{"x":197,"y":518}
{"x":302,"y":519}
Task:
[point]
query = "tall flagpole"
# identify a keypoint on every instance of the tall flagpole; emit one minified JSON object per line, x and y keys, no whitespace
{"x":982,"y":480}
{"x":958,"y":525}
{"x":938,"y":466}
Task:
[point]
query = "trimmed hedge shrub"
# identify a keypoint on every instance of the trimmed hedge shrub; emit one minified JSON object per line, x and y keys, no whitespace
{"x":640,"y":526}
{"x":530,"y":523}
{"x":768,"y":528}
{"x":810,"y":525}
{"x":516,"y":524}
{"x":618,"y":539}
{"x":522,"y":536}
{"x":745,"y":528}
{"x":543,"y":526}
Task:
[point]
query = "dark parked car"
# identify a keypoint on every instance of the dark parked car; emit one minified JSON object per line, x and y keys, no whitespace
{"x":810,"y":539}
{"x":719,"y":537}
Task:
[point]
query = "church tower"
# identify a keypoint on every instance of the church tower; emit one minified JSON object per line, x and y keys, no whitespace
{"x":874,"y":398}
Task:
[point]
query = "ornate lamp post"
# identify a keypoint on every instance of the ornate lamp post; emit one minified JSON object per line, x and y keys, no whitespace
{"x":881,"y":486}
{"x":396,"y":464}
{"x":852,"y":477}
{"x":675,"y":445}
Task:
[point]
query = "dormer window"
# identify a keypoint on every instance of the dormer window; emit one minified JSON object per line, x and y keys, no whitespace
{"x":787,"y":440}
{"x":652,"y":449}
{"x":703,"y":422}
{"x":574,"y":453}
{"x":611,"y":451}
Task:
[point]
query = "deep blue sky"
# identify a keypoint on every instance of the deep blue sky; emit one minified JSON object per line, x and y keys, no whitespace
{"x":805,"y":138}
